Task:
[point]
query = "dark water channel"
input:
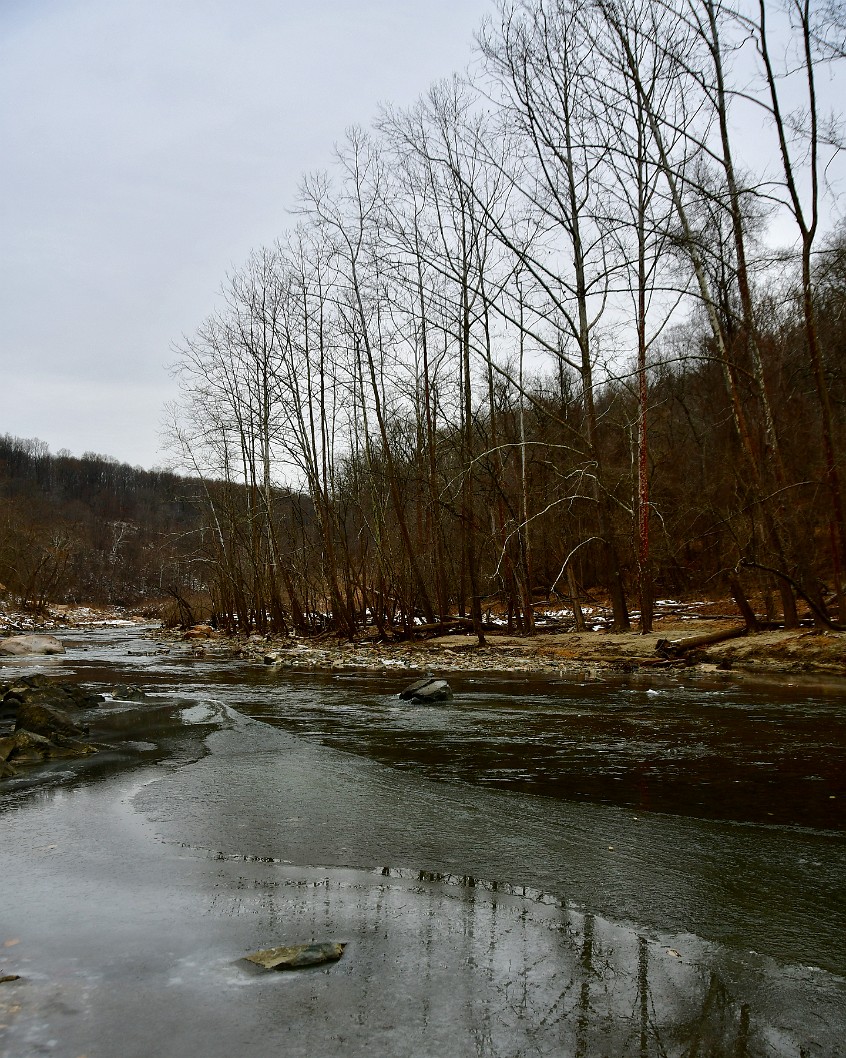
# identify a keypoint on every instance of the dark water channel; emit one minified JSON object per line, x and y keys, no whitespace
{"x":712,"y":752}
{"x":696,"y":830}
{"x":774,"y":754}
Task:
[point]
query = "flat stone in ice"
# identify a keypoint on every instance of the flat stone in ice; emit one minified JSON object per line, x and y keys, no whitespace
{"x":297,"y":956}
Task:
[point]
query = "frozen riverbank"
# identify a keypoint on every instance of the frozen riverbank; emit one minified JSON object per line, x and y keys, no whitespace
{"x":136,"y":896}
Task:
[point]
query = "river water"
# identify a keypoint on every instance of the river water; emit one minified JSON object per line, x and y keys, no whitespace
{"x":632,"y":867}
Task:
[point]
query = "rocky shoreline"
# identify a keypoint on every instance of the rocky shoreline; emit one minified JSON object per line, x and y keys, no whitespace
{"x":677,"y":649}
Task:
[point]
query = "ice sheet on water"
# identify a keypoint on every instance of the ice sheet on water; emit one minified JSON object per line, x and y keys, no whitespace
{"x":203,"y":713}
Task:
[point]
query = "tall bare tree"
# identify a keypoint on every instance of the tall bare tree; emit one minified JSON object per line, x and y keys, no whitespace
{"x":543,"y":59}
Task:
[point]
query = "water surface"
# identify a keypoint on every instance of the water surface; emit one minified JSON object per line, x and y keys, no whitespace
{"x":623,"y":830}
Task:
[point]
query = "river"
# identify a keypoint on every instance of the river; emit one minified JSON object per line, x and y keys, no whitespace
{"x":634,"y":867}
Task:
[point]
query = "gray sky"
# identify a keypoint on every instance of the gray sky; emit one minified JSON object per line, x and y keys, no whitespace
{"x":145,"y":147}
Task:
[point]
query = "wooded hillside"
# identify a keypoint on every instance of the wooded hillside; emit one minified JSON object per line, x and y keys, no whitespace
{"x":92,"y":529}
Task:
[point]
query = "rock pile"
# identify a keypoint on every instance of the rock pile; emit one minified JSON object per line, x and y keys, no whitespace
{"x":37,"y":721}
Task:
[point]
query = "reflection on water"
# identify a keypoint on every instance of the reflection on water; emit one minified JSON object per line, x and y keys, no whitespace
{"x":519,"y":973}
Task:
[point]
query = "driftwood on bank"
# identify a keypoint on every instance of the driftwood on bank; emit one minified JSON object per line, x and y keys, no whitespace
{"x":465,"y":624}
{"x":818,"y":612}
{"x":676,"y":648}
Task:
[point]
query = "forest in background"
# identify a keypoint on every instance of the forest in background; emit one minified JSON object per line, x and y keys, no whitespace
{"x":572,"y":324}
{"x":92,"y":530}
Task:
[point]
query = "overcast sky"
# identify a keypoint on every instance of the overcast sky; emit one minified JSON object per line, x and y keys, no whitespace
{"x":145,"y":147}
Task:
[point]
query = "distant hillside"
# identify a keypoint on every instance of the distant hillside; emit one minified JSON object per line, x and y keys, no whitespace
{"x":91,"y":529}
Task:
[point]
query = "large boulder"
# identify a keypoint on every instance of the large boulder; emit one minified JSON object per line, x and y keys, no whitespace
{"x":28,"y":747}
{"x":47,"y":720}
{"x":200,"y":632}
{"x":427,"y":690}
{"x":31,"y":645}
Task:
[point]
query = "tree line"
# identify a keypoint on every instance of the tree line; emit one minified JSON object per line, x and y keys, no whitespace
{"x":533,"y":334}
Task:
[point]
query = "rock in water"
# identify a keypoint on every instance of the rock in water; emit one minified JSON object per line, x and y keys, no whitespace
{"x":31,"y":645}
{"x":297,"y":956}
{"x":123,"y":692}
{"x":427,"y":690}
{"x":47,"y":720}
{"x":27,"y":746}
{"x":40,"y":688}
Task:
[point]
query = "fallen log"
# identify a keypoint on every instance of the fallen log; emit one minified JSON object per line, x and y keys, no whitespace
{"x":675,"y":648}
{"x":458,"y":623}
{"x":434,"y":628}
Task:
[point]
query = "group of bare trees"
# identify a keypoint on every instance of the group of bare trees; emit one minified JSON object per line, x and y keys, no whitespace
{"x":539,"y":332}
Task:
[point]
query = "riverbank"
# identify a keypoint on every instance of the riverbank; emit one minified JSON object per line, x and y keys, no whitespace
{"x":803,"y":654}
{"x":798,"y":653}
{"x":56,"y":616}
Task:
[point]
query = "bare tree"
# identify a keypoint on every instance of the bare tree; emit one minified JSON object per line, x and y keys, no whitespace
{"x":351,"y":221}
{"x":800,"y":134}
{"x":543,"y":58}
